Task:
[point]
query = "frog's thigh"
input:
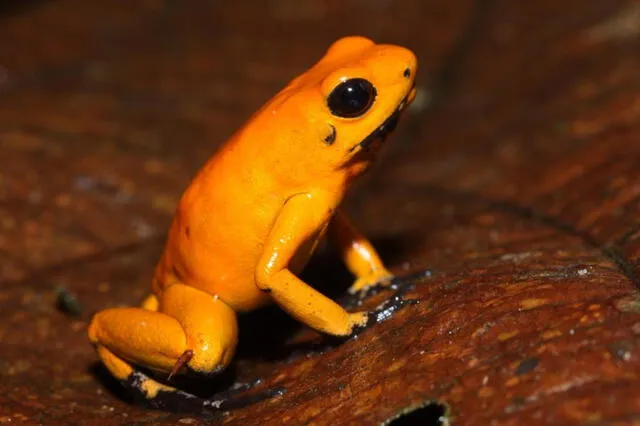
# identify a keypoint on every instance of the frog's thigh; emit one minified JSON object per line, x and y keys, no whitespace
{"x":151,"y":339}
{"x":188,"y":319}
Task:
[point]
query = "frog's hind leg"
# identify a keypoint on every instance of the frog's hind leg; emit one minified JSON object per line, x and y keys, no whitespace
{"x":104,"y":330}
{"x":187,"y":321}
{"x":148,"y":391}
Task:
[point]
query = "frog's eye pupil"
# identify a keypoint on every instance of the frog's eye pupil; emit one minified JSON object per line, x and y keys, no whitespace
{"x":351,"y":98}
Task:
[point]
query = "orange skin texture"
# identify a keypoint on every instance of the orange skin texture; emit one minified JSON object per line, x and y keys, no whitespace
{"x":252,"y":217}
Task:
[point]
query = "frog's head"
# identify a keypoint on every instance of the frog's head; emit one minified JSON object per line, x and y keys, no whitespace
{"x":365,"y":94}
{"x":334,"y":117}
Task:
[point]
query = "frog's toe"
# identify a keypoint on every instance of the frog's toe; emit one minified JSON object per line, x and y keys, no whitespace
{"x":363,"y":284}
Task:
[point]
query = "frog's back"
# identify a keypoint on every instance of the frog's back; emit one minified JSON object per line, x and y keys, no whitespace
{"x":220,"y":226}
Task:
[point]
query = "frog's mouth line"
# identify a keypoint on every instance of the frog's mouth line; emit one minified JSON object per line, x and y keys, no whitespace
{"x":384,"y":129}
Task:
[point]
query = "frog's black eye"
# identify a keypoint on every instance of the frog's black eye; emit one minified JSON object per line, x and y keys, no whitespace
{"x":351,"y":98}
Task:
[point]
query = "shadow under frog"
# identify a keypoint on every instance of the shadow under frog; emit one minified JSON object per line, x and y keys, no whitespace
{"x":267,"y":335}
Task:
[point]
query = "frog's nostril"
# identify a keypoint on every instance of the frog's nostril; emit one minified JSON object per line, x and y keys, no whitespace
{"x":407,"y":73}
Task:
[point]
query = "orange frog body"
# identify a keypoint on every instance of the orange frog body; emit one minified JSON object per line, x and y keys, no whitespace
{"x":253,"y":215}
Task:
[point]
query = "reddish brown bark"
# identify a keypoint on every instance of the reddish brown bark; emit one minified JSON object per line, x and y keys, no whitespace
{"x":515,"y":180}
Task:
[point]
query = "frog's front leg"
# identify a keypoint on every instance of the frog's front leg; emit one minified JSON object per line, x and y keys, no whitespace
{"x":300,"y":219}
{"x":190,"y":328}
{"x":358,"y":254}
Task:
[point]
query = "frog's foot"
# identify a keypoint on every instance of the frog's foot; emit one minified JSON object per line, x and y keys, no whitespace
{"x":365,"y":320}
{"x":389,"y":307}
{"x":147,"y":391}
{"x":377,"y":278}
{"x":386,"y":282}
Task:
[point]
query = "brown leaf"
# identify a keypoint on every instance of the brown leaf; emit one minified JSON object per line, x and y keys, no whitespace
{"x":514,"y":180}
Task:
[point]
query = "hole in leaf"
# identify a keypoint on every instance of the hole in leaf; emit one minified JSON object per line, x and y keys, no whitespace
{"x":430,"y":413}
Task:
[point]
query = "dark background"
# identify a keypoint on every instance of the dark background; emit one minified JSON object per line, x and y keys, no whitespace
{"x":515,"y":178}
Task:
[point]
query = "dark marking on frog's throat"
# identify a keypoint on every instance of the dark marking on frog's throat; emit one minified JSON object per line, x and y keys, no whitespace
{"x":331,"y":138}
{"x":383,"y":130}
